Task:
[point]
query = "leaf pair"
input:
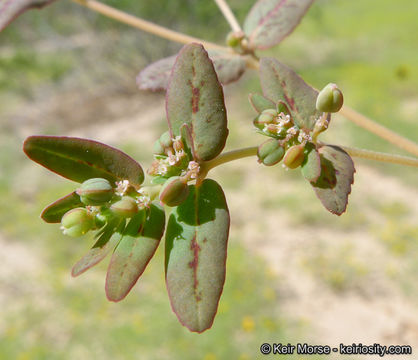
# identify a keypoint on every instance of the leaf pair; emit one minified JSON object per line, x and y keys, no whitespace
{"x":197,"y":230}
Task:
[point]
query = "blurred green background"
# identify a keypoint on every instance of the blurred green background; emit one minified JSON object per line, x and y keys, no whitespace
{"x":294,"y":273}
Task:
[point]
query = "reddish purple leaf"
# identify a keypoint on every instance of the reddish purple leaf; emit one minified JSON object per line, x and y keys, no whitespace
{"x":104,"y":245}
{"x":337,"y":175}
{"x":136,"y":248}
{"x":154,"y":77}
{"x":82,"y":159}
{"x":55,"y":211}
{"x":260,"y":103}
{"x":279,"y":82}
{"x":195,"y":97}
{"x":270,"y":21}
{"x":196,"y":245}
{"x":10,"y":9}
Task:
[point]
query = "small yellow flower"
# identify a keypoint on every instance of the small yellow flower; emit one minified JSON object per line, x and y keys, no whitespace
{"x":210,"y":356}
{"x":247,"y":323}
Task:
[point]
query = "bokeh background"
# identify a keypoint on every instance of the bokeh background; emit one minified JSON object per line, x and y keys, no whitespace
{"x":295,"y":273}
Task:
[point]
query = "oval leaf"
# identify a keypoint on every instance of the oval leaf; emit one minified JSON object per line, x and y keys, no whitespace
{"x":228,"y":67}
{"x":54,"y":212}
{"x":155,"y":76}
{"x":195,"y":97}
{"x":279,"y":82}
{"x":108,"y":238}
{"x":196,"y":245}
{"x":311,"y":166}
{"x":270,"y":21}
{"x":337,"y":175}
{"x":10,"y":9}
{"x":260,"y":103}
{"x":135,"y":250}
{"x":81,"y":159}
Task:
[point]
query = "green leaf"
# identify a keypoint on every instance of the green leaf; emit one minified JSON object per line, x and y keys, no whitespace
{"x":108,"y":238}
{"x":337,"y":175}
{"x":270,"y":21}
{"x":311,"y":166}
{"x":10,"y":9}
{"x":260,"y":103}
{"x":279,"y":82}
{"x":55,"y":211}
{"x":196,"y":245}
{"x":134,"y":251}
{"x":154,"y":77}
{"x":81,"y":159}
{"x":195,"y":97}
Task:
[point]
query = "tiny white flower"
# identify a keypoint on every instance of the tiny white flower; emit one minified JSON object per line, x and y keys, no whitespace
{"x":121,"y":187}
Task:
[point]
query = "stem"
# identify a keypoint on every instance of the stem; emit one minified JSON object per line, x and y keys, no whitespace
{"x":364,"y":122}
{"x":379,"y":130}
{"x":229,"y":15}
{"x":378,"y":156}
{"x":146,"y":25}
{"x":252,"y":62}
{"x":227,"y":157}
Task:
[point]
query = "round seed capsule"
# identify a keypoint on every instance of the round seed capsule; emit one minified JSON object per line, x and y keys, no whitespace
{"x":96,"y":191}
{"x":126,"y":207}
{"x":270,"y":152}
{"x":77,"y":222}
{"x":174,"y":191}
{"x":330,"y":99}
{"x":294,"y":156}
{"x":267,"y":116}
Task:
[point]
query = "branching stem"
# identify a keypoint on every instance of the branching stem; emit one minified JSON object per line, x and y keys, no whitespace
{"x":378,"y":156}
{"x":229,"y":15}
{"x":146,"y":25}
{"x":379,"y":130}
{"x":227,"y":157}
{"x":360,"y":153}
{"x":252,"y":63}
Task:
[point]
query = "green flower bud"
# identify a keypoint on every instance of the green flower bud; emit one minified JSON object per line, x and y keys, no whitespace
{"x":158,"y":149}
{"x":77,"y":222}
{"x":126,"y":207}
{"x":96,"y":191}
{"x":165,"y":140}
{"x":267,"y":116}
{"x":174,"y":191}
{"x":294,"y":156}
{"x":270,"y":152}
{"x":330,"y":99}
{"x":233,"y":39}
